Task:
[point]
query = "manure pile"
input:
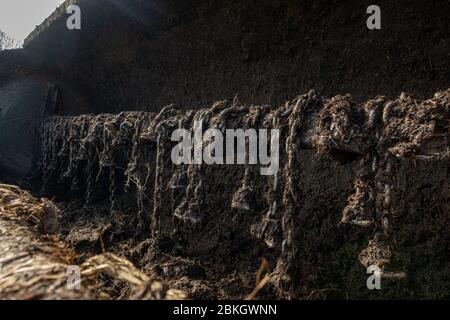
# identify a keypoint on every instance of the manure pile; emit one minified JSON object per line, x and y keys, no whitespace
{"x":359,"y":185}
{"x":36,"y":265}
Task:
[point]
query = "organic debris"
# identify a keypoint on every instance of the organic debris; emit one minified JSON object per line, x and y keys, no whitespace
{"x":180,"y":209}
{"x":39,"y":266}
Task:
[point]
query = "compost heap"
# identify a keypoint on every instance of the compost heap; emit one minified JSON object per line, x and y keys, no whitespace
{"x":36,"y":265}
{"x":359,"y":185}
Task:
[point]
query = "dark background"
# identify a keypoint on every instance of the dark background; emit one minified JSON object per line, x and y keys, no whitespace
{"x":135,"y":55}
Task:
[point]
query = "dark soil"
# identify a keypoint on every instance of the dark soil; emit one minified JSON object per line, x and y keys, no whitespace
{"x":364,"y":185}
{"x":193,"y":53}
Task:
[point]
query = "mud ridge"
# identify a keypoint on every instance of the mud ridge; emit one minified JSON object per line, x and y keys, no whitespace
{"x":316,"y":237}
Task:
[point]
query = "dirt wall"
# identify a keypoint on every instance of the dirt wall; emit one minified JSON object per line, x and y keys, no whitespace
{"x":132,"y":56}
{"x":359,"y":185}
{"x":363,"y":181}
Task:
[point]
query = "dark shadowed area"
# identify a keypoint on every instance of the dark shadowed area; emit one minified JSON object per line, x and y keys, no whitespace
{"x":86,"y":116}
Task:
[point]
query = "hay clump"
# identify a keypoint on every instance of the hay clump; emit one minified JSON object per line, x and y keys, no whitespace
{"x":38,"y":266}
